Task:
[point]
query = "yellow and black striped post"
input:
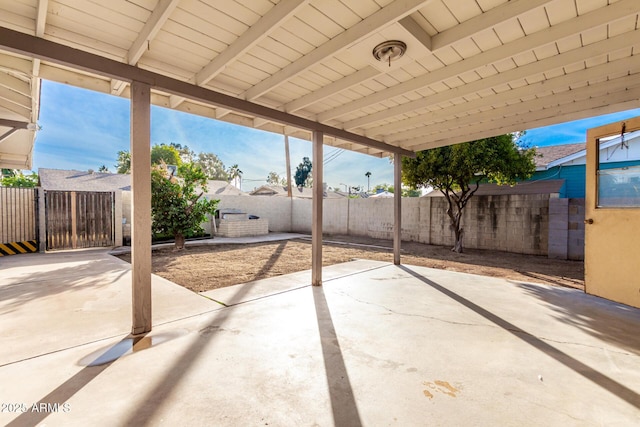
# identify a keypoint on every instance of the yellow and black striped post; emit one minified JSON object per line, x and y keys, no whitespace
{"x":14,"y":248}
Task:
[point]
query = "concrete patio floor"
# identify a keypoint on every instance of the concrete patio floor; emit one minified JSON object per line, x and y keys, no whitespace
{"x":378,"y":344}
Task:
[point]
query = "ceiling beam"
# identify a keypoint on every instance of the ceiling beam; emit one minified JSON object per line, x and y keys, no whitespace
{"x":563,"y":83}
{"x":591,"y":20}
{"x":610,"y":103}
{"x":380,"y":19}
{"x":25,"y":44}
{"x":467,"y":29}
{"x":157,"y":19}
{"x":522,"y":112}
{"x":488,"y":19}
{"x":277,"y":15}
{"x":413,"y":28}
{"x":607,"y":46}
{"x":332,"y":88}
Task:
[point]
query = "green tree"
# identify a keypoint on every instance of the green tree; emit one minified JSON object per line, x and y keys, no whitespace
{"x":274,"y":179}
{"x":303,"y":172}
{"x":124,"y":162}
{"x":212,"y":166}
{"x":165,"y":153}
{"x":176,"y":206}
{"x":186,"y":154}
{"x":18,"y":179}
{"x":457,"y":170}
{"x":368,"y":175}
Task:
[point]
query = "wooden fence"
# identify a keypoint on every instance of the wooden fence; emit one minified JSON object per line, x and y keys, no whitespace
{"x":18,"y":220}
{"x":79,"y":219}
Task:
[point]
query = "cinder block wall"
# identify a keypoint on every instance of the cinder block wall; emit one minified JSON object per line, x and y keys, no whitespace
{"x":528,"y":224}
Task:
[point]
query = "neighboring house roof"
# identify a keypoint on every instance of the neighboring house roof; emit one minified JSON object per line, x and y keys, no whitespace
{"x":572,"y":154}
{"x":546,"y":155}
{"x":281,"y":191}
{"x":546,"y":186}
{"x":223,"y":188}
{"x":72,"y":180}
{"x":382,"y":194}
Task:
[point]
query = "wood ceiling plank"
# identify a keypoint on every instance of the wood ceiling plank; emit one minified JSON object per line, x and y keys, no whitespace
{"x":278,"y":15}
{"x":544,"y":66}
{"x":611,"y":103}
{"x":152,"y":26}
{"x":380,"y":19}
{"x":332,"y":88}
{"x":524,"y":111}
{"x":600,"y":17}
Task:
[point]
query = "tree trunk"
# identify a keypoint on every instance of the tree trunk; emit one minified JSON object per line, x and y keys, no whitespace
{"x":179,"y":241}
{"x":457,"y":247}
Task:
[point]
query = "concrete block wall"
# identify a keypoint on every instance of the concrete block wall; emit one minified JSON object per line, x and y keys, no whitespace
{"x":529,"y":224}
{"x":575,"y":244}
{"x":558,"y":228}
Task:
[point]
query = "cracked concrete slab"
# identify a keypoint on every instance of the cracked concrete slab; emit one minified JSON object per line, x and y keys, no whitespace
{"x":376,"y":345}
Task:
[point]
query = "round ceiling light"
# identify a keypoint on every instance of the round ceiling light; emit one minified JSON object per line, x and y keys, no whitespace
{"x":389,"y":51}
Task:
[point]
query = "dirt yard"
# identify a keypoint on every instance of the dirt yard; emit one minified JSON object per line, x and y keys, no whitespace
{"x":202,"y":268}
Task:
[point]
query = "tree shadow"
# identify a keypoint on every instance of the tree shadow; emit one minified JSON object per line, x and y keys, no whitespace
{"x":606,"y":320}
{"x":598,"y":378}
{"x":93,"y":274}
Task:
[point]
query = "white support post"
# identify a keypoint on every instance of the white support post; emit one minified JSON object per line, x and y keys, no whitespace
{"x":397,"y":207}
{"x":316,"y":222}
{"x":141,"y":207}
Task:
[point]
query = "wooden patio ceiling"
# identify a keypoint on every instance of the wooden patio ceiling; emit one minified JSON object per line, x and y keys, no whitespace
{"x":472,"y":68}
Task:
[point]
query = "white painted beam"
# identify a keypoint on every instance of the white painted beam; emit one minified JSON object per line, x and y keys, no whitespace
{"x":394,"y":11}
{"x":627,"y":95}
{"x":558,"y":84}
{"x":621,"y":101}
{"x":344,"y":83}
{"x":467,"y":29}
{"x":25,"y":44}
{"x":156,"y":20}
{"x":316,"y":217}
{"x":591,"y":20}
{"x":273,"y":19}
{"x":141,"y":207}
{"x":490,"y":18}
{"x":41,"y":17}
{"x":417,"y":32}
{"x":607,"y":46}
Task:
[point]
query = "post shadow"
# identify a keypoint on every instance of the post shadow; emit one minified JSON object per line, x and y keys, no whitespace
{"x":70,"y":387}
{"x":343,"y":402}
{"x":609,"y":384}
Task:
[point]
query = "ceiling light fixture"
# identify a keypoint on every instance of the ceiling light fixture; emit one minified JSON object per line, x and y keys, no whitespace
{"x":389,"y":51}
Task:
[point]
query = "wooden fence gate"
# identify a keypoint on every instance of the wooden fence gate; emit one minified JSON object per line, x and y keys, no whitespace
{"x":79,"y":219}
{"x":18,"y":220}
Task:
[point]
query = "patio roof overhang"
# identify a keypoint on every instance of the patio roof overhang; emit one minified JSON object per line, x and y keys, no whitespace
{"x":471,"y":68}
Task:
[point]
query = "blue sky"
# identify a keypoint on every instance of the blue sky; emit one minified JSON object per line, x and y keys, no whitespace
{"x":83,"y":130}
